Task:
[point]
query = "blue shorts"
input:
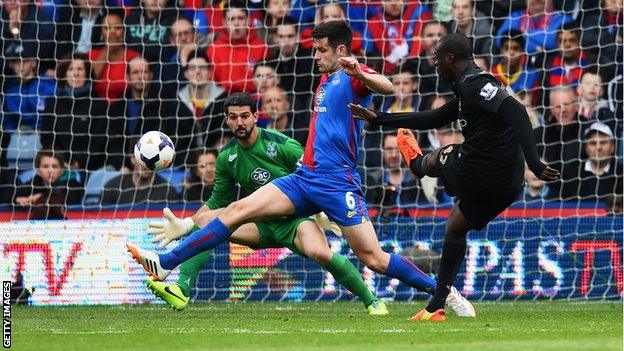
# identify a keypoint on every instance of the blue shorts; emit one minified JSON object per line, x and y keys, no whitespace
{"x":338,"y":194}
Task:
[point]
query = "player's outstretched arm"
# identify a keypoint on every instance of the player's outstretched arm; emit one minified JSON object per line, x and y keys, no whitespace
{"x":414,"y":120}
{"x":171,"y":228}
{"x":375,"y":82}
{"x":514,"y":113}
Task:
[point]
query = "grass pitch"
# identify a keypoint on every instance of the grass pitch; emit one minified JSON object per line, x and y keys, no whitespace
{"x":340,"y":326}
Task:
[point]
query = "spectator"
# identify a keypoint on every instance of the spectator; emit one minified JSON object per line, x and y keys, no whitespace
{"x":80,"y":27}
{"x":184,"y":40}
{"x":140,"y":186}
{"x":513,"y":70}
{"x":23,"y":24}
{"x":602,"y":32}
{"x":333,"y":11}
{"x":276,"y":108}
{"x":429,"y":82}
{"x":539,"y":23}
{"x":147,"y":28}
{"x":235,"y":52}
{"x":304,"y":11}
{"x":535,"y":189}
{"x":599,"y":175}
{"x":397,"y":29}
{"x":200,"y":103}
{"x":499,"y":10}
{"x":198,"y":186}
{"x":566,"y":66}
{"x":76,"y":121}
{"x":393,"y":186}
{"x":295,"y":67}
{"x":110,"y":62}
{"x":266,"y":21}
{"x":140,"y":110}
{"x":472,"y":24}
{"x":405,"y":97}
{"x":50,"y":190}
{"x":561,"y":135}
{"x":526,"y":98}
{"x":591,"y":102}
{"x":264,"y":78}
{"x":25,"y":94}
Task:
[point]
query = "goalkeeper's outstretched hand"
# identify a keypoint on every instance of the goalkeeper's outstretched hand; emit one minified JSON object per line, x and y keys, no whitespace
{"x":172,"y":228}
{"x":325,"y":223}
{"x":362,"y":113}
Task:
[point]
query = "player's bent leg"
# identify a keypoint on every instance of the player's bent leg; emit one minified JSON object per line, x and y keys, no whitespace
{"x":172,"y":294}
{"x":364,"y":243}
{"x":248,"y":235}
{"x":311,"y":241}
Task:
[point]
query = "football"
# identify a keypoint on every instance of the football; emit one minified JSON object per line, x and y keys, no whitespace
{"x":154,"y":151}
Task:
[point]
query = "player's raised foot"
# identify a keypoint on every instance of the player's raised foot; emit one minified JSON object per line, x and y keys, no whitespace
{"x":423,"y":315}
{"x":150,"y":262}
{"x":459,"y":304}
{"x":377,"y":308}
{"x":408,"y":145}
{"x":170,"y":293}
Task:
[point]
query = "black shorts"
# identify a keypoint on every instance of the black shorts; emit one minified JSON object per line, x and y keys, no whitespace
{"x":478,"y":204}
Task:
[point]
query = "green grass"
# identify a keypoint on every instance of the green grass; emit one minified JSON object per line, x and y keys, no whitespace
{"x":523,"y":326}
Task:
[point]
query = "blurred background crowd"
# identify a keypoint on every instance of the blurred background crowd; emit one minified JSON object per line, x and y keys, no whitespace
{"x":83,"y":79}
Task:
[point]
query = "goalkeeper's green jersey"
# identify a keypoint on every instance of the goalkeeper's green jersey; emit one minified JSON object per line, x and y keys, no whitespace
{"x":273,"y":155}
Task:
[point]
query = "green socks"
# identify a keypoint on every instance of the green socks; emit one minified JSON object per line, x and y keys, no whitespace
{"x":190,"y":269}
{"x":348,"y":276}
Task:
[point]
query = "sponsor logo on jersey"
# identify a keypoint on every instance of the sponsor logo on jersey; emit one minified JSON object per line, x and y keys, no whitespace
{"x":260,"y":176}
{"x":488,"y":91}
{"x":320,"y":96}
{"x":444,"y":155}
{"x":232,"y":157}
{"x":271,"y":149}
{"x":350,"y":214}
{"x":336,"y":80}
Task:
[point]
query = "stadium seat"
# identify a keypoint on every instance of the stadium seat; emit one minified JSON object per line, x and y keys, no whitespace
{"x":27,"y":175}
{"x":95,"y":184}
{"x":174,"y":177}
{"x":22,"y":150}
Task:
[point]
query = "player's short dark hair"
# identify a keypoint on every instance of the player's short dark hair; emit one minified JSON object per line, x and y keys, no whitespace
{"x":337,"y":33}
{"x":514,"y":35}
{"x":240,"y":99}
{"x":457,"y":44}
{"x":49,"y":153}
{"x":199,"y":54}
{"x":235,"y":4}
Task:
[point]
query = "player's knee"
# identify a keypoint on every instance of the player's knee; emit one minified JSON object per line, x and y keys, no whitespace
{"x":321,"y":256}
{"x":236,"y":211}
{"x":375,"y":261}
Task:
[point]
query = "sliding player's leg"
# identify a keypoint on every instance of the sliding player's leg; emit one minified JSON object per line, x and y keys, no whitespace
{"x":364,"y":243}
{"x":265,"y":203}
{"x":178,"y":295}
{"x":311,"y":242}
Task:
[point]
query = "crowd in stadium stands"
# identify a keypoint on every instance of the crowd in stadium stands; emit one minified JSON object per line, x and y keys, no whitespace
{"x":83,"y":79}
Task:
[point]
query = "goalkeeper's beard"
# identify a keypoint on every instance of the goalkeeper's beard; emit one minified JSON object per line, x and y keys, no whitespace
{"x":243,"y":134}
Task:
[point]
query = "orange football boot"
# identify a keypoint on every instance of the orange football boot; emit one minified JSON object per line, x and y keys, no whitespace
{"x":408,"y":145}
{"x":423,"y":315}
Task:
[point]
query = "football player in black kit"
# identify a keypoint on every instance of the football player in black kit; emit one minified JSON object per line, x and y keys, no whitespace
{"x":486,"y":172}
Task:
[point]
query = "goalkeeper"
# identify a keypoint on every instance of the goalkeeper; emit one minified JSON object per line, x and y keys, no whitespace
{"x":253,"y":158}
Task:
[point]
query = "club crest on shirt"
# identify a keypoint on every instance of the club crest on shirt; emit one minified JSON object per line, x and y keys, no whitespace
{"x":271,"y":150}
{"x":260,"y":176}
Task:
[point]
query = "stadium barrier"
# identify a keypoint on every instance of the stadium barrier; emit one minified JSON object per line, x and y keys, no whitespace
{"x":84,"y":262}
